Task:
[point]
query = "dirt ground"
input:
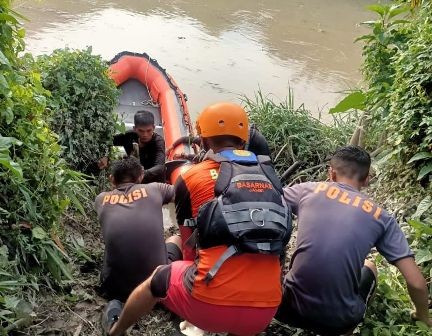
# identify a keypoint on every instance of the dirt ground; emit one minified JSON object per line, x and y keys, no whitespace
{"x":77,"y":309}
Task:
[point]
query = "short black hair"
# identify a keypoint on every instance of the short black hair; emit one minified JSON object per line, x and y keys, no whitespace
{"x":352,"y":162}
{"x":144,"y":118}
{"x":227,"y":141}
{"x":126,"y":170}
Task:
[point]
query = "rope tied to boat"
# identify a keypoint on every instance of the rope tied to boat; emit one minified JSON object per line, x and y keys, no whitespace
{"x":150,"y":102}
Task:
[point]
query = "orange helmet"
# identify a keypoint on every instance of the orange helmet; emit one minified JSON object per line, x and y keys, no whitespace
{"x":223,"y":119}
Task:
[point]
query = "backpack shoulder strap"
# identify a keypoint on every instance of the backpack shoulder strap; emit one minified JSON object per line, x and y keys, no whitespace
{"x":224,"y":177}
{"x":231,"y":251}
{"x":210,"y":155}
{"x":267,"y":167}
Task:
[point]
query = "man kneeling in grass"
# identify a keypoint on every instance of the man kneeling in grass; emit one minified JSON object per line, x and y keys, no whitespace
{"x":132,"y":228}
{"x":329,"y":284}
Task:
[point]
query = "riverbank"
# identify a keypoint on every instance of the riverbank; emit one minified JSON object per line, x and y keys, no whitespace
{"x":50,"y":254}
{"x":76,"y":310}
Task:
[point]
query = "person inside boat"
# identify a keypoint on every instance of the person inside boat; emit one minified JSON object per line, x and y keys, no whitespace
{"x":215,"y":289}
{"x":132,"y":226}
{"x":257,"y":143}
{"x":329,"y":283}
{"x":150,"y":145}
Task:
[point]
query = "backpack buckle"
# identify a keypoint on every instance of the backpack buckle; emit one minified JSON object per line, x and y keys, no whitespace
{"x":251,"y":212}
{"x":190,"y":222}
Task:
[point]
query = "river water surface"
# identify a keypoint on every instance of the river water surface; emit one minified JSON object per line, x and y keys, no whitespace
{"x":217,"y":49}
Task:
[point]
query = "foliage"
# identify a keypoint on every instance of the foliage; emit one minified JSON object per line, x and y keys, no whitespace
{"x":410,"y":118}
{"x":389,"y":313}
{"x":35,"y":184}
{"x":398,"y":98}
{"x":386,"y":39}
{"x":82,"y":100}
{"x":397,"y":63}
{"x":12,"y":307}
{"x":355,"y":100}
{"x":294,"y":135}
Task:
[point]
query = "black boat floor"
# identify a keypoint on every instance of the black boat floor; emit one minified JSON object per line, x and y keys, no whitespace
{"x":135,"y":97}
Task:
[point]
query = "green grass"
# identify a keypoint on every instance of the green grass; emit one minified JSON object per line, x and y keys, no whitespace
{"x":294,"y":134}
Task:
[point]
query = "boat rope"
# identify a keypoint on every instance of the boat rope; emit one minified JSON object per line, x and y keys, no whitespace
{"x":150,"y":101}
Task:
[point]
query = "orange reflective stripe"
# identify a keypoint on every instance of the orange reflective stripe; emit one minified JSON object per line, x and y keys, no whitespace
{"x":200,"y":181}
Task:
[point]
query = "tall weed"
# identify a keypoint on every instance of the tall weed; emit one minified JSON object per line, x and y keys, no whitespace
{"x":294,"y":135}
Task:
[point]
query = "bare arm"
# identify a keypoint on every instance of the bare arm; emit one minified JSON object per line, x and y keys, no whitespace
{"x":417,"y":288}
{"x":140,"y":303}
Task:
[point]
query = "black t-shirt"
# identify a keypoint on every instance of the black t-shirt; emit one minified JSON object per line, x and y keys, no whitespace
{"x":132,"y":228}
{"x":152,"y":154}
{"x":257,"y":144}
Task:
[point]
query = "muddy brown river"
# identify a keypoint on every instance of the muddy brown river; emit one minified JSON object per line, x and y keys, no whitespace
{"x":217,"y":49}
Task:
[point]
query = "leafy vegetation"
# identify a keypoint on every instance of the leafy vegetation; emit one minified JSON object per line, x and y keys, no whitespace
{"x":397,"y":97}
{"x":36,"y":185}
{"x":82,"y":102}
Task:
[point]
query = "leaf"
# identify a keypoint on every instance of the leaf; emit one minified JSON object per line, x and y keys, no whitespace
{"x":6,"y":142}
{"x":4,"y":85}
{"x":3,"y":59}
{"x":427,"y":169}
{"x":355,"y":100}
{"x":5,"y":160}
{"x":11,"y":302}
{"x":8,"y":17}
{"x":12,"y":166}
{"x":21,"y":33}
{"x":423,"y":206}
{"x":397,"y":9}
{"x":364,"y":37}
{"x":39,"y":233}
{"x":9,"y":284}
{"x":381,"y":10}
{"x":28,"y":201}
{"x":420,"y":156}
{"x":54,"y":261}
{"x":423,"y":256}
{"x":420,"y":227}
{"x":396,"y":22}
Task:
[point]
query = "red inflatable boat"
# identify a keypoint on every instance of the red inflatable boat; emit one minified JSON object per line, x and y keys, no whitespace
{"x":145,"y":85}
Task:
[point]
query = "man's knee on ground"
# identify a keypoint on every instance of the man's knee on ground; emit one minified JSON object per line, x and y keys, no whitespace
{"x":145,"y":286}
{"x":369,"y":264}
{"x":159,"y":282}
{"x":176,"y":239}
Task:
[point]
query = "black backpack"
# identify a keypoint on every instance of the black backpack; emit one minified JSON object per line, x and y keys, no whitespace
{"x":248,"y":213}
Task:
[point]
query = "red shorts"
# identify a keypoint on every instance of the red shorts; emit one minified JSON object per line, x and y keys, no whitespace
{"x":242,"y":321}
